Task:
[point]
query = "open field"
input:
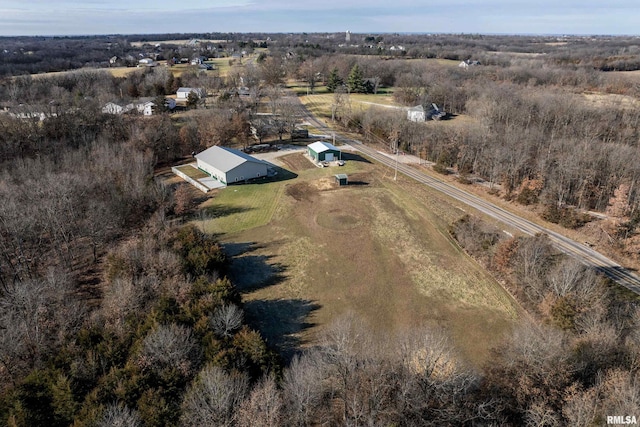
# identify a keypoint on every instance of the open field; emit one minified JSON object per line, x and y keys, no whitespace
{"x":320,"y":106}
{"x":174,"y":42}
{"x":445,"y":62}
{"x":610,"y":100}
{"x":307,"y":251}
{"x":115,"y":71}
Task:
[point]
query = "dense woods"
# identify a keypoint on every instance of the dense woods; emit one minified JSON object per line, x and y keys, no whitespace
{"x":111,"y":314}
{"x":583,"y":340}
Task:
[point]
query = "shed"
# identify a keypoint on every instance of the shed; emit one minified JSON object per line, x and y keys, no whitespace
{"x":323,"y":151}
{"x":228,"y":165}
{"x":342,"y":179}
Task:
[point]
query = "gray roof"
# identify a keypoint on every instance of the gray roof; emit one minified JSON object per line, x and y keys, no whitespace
{"x":224,"y":158}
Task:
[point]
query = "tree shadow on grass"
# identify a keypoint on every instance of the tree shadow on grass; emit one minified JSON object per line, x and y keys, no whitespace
{"x":250,"y":271}
{"x":281,"y":174}
{"x":219,"y":211}
{"x":280,"y":321}
{"x":353,"y":157}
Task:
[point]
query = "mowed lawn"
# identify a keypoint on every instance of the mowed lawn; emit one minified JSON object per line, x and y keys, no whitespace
{"x":240,"y":207}
{"x":306,"y":251}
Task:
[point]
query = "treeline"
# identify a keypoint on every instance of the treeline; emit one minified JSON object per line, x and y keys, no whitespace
{"x":167,"y":319}
{"x":109,"y":314}
{"x":582,"y":342}
{"x":33,"y":55}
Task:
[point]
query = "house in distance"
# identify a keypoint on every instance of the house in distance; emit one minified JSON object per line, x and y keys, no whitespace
{"x":420,"y":114}
{"x":320,"y":151}
{"x":229,"y":166}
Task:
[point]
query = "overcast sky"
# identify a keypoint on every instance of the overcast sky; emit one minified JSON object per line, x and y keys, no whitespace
{"x":66,"y":17}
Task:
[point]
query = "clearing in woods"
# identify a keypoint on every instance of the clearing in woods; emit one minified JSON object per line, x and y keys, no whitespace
{"x":306,"y":251}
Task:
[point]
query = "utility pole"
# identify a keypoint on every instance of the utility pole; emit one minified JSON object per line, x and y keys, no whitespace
{"x":395,"y":176}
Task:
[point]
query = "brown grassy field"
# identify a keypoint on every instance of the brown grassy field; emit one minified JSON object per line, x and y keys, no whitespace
{"x":174,"y":42}
{"x":378,"y":248}
{"x":115,"y":71}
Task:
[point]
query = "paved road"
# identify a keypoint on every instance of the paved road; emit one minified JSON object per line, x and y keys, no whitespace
{"x":570,"y":247}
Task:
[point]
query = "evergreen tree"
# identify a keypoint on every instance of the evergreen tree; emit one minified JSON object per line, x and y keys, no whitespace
{"x":355,"y":82}
{"x":334,"y":80}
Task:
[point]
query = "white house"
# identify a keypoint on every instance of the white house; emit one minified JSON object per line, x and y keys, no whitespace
{"x":228,"y":165}
{"x":183,"y":92}
{"x":146,"y":108}
{"x":416,"y":114}
{"x":420,"y":114}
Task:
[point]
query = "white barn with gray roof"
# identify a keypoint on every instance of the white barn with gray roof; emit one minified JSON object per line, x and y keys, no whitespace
{"x":229,"y":166}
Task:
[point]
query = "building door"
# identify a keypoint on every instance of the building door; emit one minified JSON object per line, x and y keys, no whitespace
{"x":328,"y":157}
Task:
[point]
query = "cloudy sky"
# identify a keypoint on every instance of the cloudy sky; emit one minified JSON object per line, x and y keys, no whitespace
{"x":66,"y":17}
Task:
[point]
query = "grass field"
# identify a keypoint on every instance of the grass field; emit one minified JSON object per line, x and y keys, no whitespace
{"x":115,"y":71}
{"x":241,"y":207}
{"x":306,"y":251}
{"x":320,"y":104}
{"x":438,"y":61}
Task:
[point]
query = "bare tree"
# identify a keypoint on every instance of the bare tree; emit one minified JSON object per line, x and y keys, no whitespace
{"x":272,"y":70}
{"x":36,"y":317}
{"x":212,"y":398}
{"x":533,"y":367}
{"x":539,"y":414}
{"x":303,"y":388}
{"x":183,"y":199}
{"x":621,"y":391}
{"x":572,"y":277}
{"x":226,"y":320}
{"x":581,"y":407}
{"x":171,"y":346}
{"x":339,"y":104}
{"x":263,"y":406}
{"x":119,"y":416}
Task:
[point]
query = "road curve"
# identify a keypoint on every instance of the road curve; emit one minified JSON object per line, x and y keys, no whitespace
{"x":577,"y":250}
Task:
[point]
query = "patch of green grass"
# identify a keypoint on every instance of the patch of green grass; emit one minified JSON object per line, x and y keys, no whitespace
{"x":240,"y":207}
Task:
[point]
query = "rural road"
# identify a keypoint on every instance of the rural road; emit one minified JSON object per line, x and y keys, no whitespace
{"x":577,"y":250}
